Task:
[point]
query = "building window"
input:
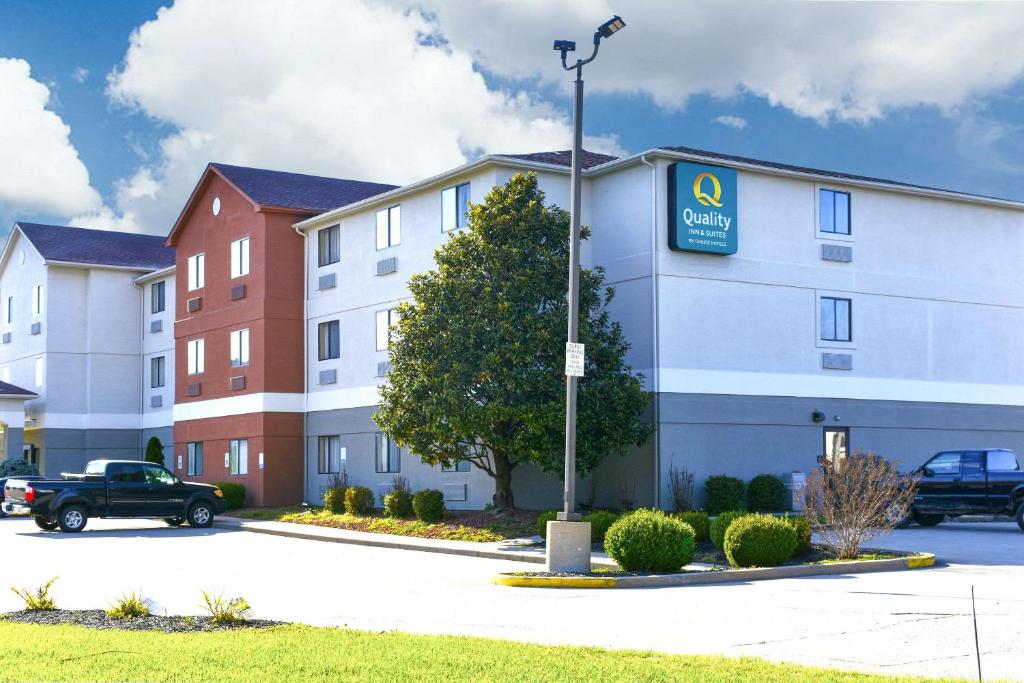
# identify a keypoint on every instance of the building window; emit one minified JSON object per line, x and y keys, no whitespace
{"x":9,"y":311}
{"x":194,"y":455}
{"x":5,"y":374}
{"x":37,"y":300}
{"x":460,"y":466}
{"x":389,"y":227}
{"x":329,"y":240}
{"x":837,"y":444}
{"x":39,"y":372}
{"x":835,"y":319}
{"x":386,"y":321}
{"x":239,"y":348}
{"x":329,"y":454}
{"x":196,"y":272}
{"x":330,"y":340}
{"x":238,"y":456}
{"x":387,"y":455}
{"x":156,"y":297}
{"x":196,"y":356}
{"x":156,"y":372}
{"x":834,"y":212}
{"x":454,"y":207}
{"x":240,"y":257}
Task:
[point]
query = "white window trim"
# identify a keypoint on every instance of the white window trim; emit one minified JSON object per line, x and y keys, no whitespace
{"x":38,"y":302}
{"x":196,"y":352}
{"x":240,"y":249}
{"x":393,"y":234}
{"x":239,"y":348}
{"x":818,"y":233}
{"x":196,"y":271}
{"x":818,"y":341}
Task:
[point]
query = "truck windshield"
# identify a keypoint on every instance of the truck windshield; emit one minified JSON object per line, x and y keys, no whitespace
{"x":1003,"y":461}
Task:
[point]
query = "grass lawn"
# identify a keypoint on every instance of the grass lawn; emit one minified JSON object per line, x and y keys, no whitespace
{"x":303,"y":653}
{"x":480,"y":527}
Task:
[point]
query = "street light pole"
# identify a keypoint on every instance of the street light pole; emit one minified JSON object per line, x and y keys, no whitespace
{"x":606,"y":29}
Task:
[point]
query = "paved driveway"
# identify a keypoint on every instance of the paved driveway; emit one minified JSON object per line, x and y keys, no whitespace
{"x":913,"y":622}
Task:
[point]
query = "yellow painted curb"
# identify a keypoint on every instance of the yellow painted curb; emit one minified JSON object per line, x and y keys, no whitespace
{"x":922,"y":560}
{"x":554,"y":581}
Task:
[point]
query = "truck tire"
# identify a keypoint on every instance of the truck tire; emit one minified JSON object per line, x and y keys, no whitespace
{"x":200,"y":515}
{"x":1020,"y":516}
{"x":72,"y":519}
{"x":174,"y":521}
{"x":45,"y":523}
{"x":927,"y":520}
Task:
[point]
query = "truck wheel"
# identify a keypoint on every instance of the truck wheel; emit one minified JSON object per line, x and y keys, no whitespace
{"x":45,"y":523}
{"x":200,"y":515}
{"x":1020,"y":516}
{"x":175,"y":521}
{"x":72,"y":519}
{"x":927,"y":520}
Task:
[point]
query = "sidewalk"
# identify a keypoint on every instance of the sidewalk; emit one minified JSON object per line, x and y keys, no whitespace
{"x":516,"y":550}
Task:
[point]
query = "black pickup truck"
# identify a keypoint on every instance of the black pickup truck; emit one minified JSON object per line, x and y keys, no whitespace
{"x":983,"y":481}
{"x":113,"y":488}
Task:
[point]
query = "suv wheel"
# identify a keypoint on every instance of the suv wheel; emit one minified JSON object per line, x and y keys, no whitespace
{"x":72,"y":519}
{"x":927,"y":520}
{"x":200,"y":515}
{"x":45,"y":523}
{"x":1020,"y":516}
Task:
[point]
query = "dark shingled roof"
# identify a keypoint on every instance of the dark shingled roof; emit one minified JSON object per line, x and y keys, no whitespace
{"x":296,"y":190}
{"x":563,"y":158}
{"x":98,"y":247}
{"x":11,"y":390}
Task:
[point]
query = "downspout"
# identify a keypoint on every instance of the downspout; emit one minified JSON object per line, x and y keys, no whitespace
{"x":305,"y":362}
{"x":655,"y":370}
{"x":142,"y":373}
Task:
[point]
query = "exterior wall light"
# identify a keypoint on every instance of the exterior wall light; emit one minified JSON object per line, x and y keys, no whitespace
{"x":818,"y":416}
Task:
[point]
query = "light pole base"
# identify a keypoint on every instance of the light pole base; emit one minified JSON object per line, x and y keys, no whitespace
{"x":568,"y":547}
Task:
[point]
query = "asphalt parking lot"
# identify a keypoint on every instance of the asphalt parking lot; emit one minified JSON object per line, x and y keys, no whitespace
{"x":915,"y":622}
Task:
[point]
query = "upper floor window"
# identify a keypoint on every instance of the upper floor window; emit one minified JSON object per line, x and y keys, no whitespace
{"x":240,"y":257}
{"x":388,"y":460}
{"x":156,"y":372}
{"x":329,"y":340}
{"x":834,"y":212}
{"x":196,"y":272}
{"x":239,"y":348}
{"x":9,"y":310}
{"x":37,"y":300}
{"x":329,"y":245}
{"x":389,"y":227}
{"x":196,"y":356}
{"x":836,"y":323}
{"x":454,"y":207}
{"x":157,"y":302}
{"x":238,"y":456}
{"x":386,"y":321}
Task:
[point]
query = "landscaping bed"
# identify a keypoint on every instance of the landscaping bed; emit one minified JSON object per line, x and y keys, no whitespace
{"x":98,"y":619}
{"x":707,"y":553}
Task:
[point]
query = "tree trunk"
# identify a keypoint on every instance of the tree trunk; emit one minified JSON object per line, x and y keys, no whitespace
{"x":502,"y":482}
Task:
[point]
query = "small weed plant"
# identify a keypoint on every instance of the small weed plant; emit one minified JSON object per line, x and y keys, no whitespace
{"x":225,"y":610}
{"x":129,"y":606}
{"x":38,"y":600}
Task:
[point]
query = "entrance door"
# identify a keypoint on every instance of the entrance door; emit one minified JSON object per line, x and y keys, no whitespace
{"x":837,"y":444}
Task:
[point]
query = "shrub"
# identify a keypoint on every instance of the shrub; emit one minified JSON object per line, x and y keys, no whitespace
{"x":398,"y":503}
{"x":680,"y":484}
{"x":759,"y":541}
{"x":766,"y":493}
{"x":719,"y":525}
{"x":600,"y":522}
{"x":650,"y":540}
{"x":803,"y":532}
{"x":38,"y":600}
{"x":429,"y":506}
{"x":358,"y":500}
{"x":723,"y":494}
{"x":334,"y":499}
{"x":129,"y":606}
{"x":234,"y":494}
{"x":154,"y":451}
{"x":12,"y":469}
{"x":700,"y":522}
{"x":542,"y":522}
{"x":223,"y":610}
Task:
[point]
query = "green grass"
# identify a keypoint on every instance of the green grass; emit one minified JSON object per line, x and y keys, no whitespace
{"x":303,"y":653}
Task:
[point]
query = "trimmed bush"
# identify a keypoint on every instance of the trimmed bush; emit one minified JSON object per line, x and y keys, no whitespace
{"x":398,"y":504}
{"x":723,"y":494}
{"x":234,"y":494}
{"x":542,"y":522}
{"x":650,"y":540}
{"x":719,"y":525}
{"x":12,"y":469}
{"x":600,"y":522}
{"x":766,"y":493}
{"x":429,"y":506}
{"x":358,"y":500}
{"x":334,"y":499}
{"x":700,"y":522}
{"x":803,"y":532}
{"x":759,"y":541}
{"x":154,"y":451}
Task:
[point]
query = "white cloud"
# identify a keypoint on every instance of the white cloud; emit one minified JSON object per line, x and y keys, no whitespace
{"x":370,"y":92}
{"x":80,"y":74}
{"x":39,"y":167}
{"x":737,"y":122}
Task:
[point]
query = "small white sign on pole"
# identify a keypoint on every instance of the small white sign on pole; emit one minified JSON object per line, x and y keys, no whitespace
{"x":573,"y":359}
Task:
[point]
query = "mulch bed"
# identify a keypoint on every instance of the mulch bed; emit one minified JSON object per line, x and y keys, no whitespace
{"x":98,"y":619}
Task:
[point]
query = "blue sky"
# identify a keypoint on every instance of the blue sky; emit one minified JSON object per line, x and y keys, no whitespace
{"x":283,"y":86}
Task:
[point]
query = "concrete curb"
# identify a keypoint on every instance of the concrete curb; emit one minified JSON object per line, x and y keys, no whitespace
{"x":915,"y":561}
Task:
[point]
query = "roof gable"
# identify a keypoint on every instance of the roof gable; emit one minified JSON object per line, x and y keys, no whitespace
{"x":112,"y":248}
{"x":563,"y":158}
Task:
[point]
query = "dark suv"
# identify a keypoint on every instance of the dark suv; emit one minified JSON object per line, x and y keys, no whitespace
{"x":983,"y":481}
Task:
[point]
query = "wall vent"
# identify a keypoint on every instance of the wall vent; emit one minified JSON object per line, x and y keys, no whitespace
{"x":237,"y":292}
{"x":156,"y":325}
{"x":454,"y":492}
{"x":193,"y":389}
{"x":36,"y":328}
{"x":195,"y":304}
{"x":387,"y":265}
{"x":238,"y":383}
{"x":328,"y":376}
{"x":328,"y":281}
{"x":383,"y":368}
{"x":837,"y":361}
{"x":7,"y":337}
{"x":156,"y":401}
{"x":836,"y":252}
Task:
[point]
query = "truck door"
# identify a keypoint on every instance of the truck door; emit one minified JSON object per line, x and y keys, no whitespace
{"x":939,"y":488}
{"x":165,"y":493}
{"x":1003,"y":469}
{"x":973,"y":483}
{"x":126,"y":489}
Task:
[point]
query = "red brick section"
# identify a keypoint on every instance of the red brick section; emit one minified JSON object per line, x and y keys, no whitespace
{"x":272,"y":310}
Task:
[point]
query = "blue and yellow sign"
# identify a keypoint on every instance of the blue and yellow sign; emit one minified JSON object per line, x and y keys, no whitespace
{"x":702,"y":212}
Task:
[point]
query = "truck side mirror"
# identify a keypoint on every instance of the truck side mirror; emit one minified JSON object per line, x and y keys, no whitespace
{"x":927,"y":471}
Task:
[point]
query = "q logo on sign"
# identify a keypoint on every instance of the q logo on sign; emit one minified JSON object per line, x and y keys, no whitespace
{"x":703,"y":197}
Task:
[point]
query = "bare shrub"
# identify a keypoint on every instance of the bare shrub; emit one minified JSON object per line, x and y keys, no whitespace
{"x":339,"y":480}
{"x":854,"y":499}
{"x":627,"y":495}
{"x":680,"y":484}
{"x":400,"y":483}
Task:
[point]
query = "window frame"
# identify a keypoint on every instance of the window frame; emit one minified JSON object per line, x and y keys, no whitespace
{"x":328,"y":461}
{"x":391,"y":236}
{"x":461,"y":220}
{"x":37,"y":301}
{"x":9,"y":311}
{"x":195,"y":356}
{"x":158,"y":297}
{"x":834,"y":234}
{"x":391,"y":317}
{"x":332,"y":253}
{"x":460,"y":467}
{"x":835,"y":299}
{"x":238,"y":466}
{"x":240,"y":250}
{"x":157,"y":363}
{"x":196,"y":271}
{"x":392,"y":453}
{"x":193,"y":456}
{"x":238,"y":340}
{"x":332,"y":351}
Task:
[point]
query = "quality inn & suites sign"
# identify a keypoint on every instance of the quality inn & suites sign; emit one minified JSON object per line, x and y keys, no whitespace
{"x":702,"y":208}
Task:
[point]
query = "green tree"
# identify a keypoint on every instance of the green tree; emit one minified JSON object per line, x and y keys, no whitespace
{"x":154,"y":451}
{"x":477,"y":361}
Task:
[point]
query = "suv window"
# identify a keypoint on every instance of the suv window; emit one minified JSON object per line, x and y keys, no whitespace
{"x":1003,"y":461}
{"x":945,"y":463}
{"x":125,"y":474}
{"x":158,"y":475}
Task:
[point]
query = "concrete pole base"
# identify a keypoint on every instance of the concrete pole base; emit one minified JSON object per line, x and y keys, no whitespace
{"x":568,"y":547}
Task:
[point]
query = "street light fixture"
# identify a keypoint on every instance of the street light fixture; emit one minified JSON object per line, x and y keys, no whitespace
{"x":605,"y":30}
